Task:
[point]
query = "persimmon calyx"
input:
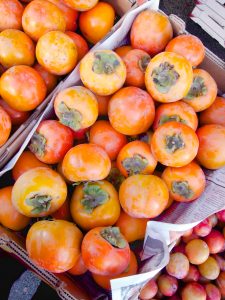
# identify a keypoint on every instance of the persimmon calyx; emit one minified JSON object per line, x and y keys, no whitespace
{"x":167,"y":118}
{"x":182,"y":188}
{"x":105,"y":63}
{"x":174,"y":142}
{"x":93,"y":196}
{"x":40,"y":203}
{"x":113,"y":236}
{"x":70,"y":117}
{"x":135,"y":164}
{"x":143,"y":62}
{"x":116,"y":178}
{"x":164,"y":77}
{"x":38,"y":144}
{"x":198,"y":88}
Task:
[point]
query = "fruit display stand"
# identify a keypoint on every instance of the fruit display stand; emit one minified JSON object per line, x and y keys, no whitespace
{"x":158,"y":242}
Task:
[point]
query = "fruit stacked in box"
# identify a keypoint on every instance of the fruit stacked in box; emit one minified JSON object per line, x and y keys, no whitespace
{"x":121,"y":149}
{"x":196,"y":269}
{"x":39,"y":45}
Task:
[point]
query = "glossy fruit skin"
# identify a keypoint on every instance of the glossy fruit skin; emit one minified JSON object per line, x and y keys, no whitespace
{"x":189,"y":46}
{"x":176,"y":111}
{"x":100,"y":257}
{"x":49,"y":79}
{"x":70,"y":15}
{"x":143,"y":196}
{"x":215,"y":241}
{"x":104,"y":281}
{"x":105,"y":214}
{"x":17,"y":117}
{"x":203,"y":228}
{"x":180,"y":155}
{"x":79,"y":100}
{"x":56,"y":52}
{"x":103,"y":103}
{"x":123,"y":50}
{"x":193,"y":290}
{"x":11,"y":14}
{"x":97,"y":22}
{"x":178,"y":265}
{"x":203,"y":101}
{"x":140,"y":153}
{"x":63,"y":213}
{"x":26,"y":162}
{"x":192,"y":175}
{"x":133,"y":229}
{"x":178,"y":88}
{"x":9,"y":216}
{"x":5,"y":126}
{"x":136,"y":62}
{"x":121,"y":111}
{"x":22,"y":88}
{"x":104,"y":135}
{"x":56,"y":140}
{"x":81,"y":44}
{"x":54,"y":245}
{"x":221,"y":215}
{"x":40,"y":17}
{"x":79,"y":267}
{"x":39,"y":181}
{"x":16,"y":48}
{"x":197,"y":251}
{"x":213,"y":293}
{"x":193,"y":274}
{"x":159,"y":32}
{"x":86,"y":162}
{"x":104,"y":83}
{"x":167,"y":284}
{"x":221,"y":283}
{"x":81,"y":5}
{"x":149,"y":290}
{"x":214,"y":114}
{"x":211,"y":153}
{"x":209,"y":269}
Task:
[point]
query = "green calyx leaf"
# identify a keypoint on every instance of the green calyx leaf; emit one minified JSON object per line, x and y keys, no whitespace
{"x":164,"y":77}
{"x":174,"y":142}
{"x":40,"y":203}
{"x":167,"y":118}
{"x":116,"y":178}
{"x":135,"y":164}
{"x":182,"y":188}
{"x":114,"y":237}
{"x":143,"y":62}
{"x":38,"y":144}
{"x":105,"y":63}
{"x":70,"y":117}
{"x":94,"y":196}
{"x":198,"y":88}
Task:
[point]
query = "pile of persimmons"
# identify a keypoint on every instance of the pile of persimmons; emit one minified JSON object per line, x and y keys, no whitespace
{"x":123,"y":147}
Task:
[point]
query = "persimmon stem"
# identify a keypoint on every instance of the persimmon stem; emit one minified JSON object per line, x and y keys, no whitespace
{"x":182,"y":188}
{"x":105,"y":63}
{"x":113,"y":236}
{"x":70,"y":117}
{"x":38,"y":144}
{"x":40,"y":203}
{"x":198,"y":88}
{"x":174,"y":142}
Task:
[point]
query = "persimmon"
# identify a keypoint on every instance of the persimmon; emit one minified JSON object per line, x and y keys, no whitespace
{"x":39,"y":192}
{"x":211,"y":153}
{"x":26,"y":162}
{"x":136,"y":158}
{"x":86,"y":162}
{"x":115,"y":177}
{"x":202,"y":92}
{"x":51,"y":141}
{"x":146,"y":137}
{"x":104,"y":135}
{"x":103,"y":72}
{"x":81,"y":5}
{"x":185,"y":183}
{"x":5,"y":126}
{"x":76,"y":107}
{"x":49,"y":79}
{"x":11,"y":14}
{"x":97,"y":21}
{"x":40,"y":17}
{"x":95,"y":204}
{"x":215,"y":114}
{"x":9,"y":216}
{"x":151,"y":31}
{"x":103,"y":103}
{"x":136,"y":62}
{"x":104,"y":281}
{"x":79,"y":267}
{"x":16,"y":48}
{"x":81,"y":44}
{"x":63,"y":213}
{"x":143,"y":196}
{"x":168,"y":77}
{"x":176,"y":111}
{"x":123,"y":50}
{"x":56,"y":52}
{"x":17,"y":117}
{"x":121,"y":110}
{"x":22,"y":88}
{"x":189,"y":46}
{"x":132,"y":228}
{"x":174,"y":144}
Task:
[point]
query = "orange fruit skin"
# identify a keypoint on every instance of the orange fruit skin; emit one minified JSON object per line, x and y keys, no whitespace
{"x":214,"y":114}
{"x":5,"y":126}
{"x":81,"y":5}
{"x":81,"y":44}
{"x":11,"y":14}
